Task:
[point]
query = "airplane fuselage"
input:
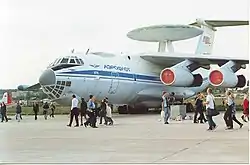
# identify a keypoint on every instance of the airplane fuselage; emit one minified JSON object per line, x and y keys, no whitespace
{"x":123,"y":79}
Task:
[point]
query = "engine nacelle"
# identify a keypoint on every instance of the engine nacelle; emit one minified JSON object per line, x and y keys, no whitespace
{"x":226,"y":79}
{"x":180,"y":78}
{"x":22,"y":87}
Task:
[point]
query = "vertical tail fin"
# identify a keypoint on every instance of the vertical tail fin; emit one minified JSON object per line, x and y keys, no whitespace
{"x":206,"y":41}
{"x":7,"y":98}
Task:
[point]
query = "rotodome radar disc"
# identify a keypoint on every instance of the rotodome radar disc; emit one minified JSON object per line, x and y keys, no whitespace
{"x":159,"y":33}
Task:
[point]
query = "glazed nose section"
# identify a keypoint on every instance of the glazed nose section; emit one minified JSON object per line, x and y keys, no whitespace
{"x":48,"y":77}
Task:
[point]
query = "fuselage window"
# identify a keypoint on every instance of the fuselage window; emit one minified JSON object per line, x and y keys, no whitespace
{"x":64,"y":61}
{"x":68,"y":83}
{"x":129,"y":57}
{"x":61,"y":88}
{"x":72,"y":61}
{"x":58,"y":82}
{"x":77,"y":61}
{"x":63,"y":82}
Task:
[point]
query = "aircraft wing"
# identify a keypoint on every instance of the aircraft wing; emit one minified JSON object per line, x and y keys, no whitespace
{"x":34,"y":87}
{"x":170,"y":59}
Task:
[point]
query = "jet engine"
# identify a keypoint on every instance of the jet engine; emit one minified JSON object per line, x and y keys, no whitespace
{"x":22,"y":87}
{"x":180,"y":77}
{"x":226,"y":79}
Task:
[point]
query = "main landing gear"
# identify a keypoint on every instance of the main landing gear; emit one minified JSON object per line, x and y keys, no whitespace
{"x":126,"y":109}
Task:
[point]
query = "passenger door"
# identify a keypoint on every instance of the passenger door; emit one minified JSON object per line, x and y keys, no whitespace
{"x":114,"y":83}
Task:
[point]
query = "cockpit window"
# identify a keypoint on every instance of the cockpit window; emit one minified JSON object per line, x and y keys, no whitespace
{"x":78,"y":62}
{"x":72,"y":61}
{"x":57,"y":61}
{"x":64,"y":61}
{"x":81,"y":61}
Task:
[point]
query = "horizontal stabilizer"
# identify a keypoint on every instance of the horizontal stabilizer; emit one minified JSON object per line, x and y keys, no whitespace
{"x":222,"y":23}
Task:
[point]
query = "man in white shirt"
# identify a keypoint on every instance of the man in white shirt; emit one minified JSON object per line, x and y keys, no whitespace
{"x":210,"y":107}
{"x":74,"y":111}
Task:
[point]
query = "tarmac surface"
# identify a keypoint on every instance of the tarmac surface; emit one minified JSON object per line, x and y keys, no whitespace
{"x":132,"y":139}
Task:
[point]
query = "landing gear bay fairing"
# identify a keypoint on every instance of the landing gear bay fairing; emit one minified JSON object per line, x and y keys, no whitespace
{"x":135,"y":82}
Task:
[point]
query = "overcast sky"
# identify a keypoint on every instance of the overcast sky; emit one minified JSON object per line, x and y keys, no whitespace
{"x":35,"y":32}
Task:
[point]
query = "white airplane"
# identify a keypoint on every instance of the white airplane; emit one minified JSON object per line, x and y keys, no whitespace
{"x":138,"y":80}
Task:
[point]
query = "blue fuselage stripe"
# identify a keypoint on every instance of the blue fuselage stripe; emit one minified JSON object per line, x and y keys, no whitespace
{"x":111,"y":75}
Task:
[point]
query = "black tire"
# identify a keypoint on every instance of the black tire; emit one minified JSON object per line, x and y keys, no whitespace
{"x":122,"y":109}
{"x":138,"y":110}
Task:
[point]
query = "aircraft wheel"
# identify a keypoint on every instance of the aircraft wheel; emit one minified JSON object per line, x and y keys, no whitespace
{"x":131,"y":110}
{"x":137,"y":110}
{"x":122,"y":109}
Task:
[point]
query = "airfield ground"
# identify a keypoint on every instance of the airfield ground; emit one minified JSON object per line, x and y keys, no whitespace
{"x":132,"y":139}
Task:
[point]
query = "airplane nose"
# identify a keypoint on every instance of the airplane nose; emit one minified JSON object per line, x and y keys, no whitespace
{"x":48,"y":77}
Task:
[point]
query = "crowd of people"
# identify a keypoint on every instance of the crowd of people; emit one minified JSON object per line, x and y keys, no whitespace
{"x":46,"y":107}
{"x":90,"y":111}
{"x":208,"y":107}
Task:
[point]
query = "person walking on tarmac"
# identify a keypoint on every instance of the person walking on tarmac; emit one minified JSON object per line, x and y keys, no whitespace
{"x":74,"y":111}
{"x":4,"y":112}
{"x":36,"y":109}
{"x":52,"y":107}
{"x":245,"y":105}
{"x":91,"y":112}
{"x":83,"y":110}
{"x":210,"y":108}
{"x":103,"y":112}
{"x":45,"y":110}
{"x":199,"y":108}
{"x":18,"y":112}
{"x":229,"y":115}
{"x":109,"y":113}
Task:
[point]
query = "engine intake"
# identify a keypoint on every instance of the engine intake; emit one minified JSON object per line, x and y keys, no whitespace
{"x":226,"y":79}
{"x":180,"y":78}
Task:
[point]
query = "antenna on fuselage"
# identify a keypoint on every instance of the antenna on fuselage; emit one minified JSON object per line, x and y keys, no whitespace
{"x":87,"y":52}
{"x":72,"y":51}
{"x":164,"y":34}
